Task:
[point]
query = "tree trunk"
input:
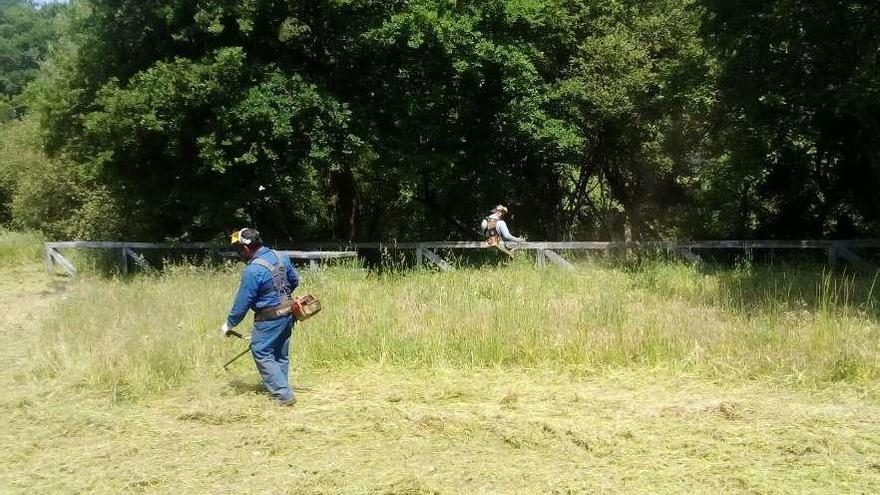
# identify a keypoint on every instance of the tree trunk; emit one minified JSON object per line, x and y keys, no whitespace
{"x":633,"y":227}
{"x":345,"y":217}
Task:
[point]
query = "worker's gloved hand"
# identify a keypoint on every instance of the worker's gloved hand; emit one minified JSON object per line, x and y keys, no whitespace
{"x":225,"y":331}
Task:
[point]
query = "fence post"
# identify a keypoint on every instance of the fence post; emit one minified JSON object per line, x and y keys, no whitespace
{"x":124,"y":260}
{"x":557,"y":260}
{"x":48,"y":262}
{"x":832,"y":255}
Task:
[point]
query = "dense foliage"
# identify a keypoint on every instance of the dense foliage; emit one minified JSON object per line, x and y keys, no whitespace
{"x":356,"y":119}
{"x":25,"y":34}
{"x":800,"y":115}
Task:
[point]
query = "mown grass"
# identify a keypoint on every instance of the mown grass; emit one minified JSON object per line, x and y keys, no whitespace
{"x":794,"y":324}
{"x":381,"y":430}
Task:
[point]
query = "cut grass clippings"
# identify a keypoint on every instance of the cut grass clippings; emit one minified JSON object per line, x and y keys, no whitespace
{"x":401,"y":431}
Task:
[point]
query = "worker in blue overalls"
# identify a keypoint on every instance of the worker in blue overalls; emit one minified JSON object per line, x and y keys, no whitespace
{"x":266,"y":287}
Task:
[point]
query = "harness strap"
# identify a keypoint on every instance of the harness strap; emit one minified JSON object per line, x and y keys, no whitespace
{"x":282,"y":287}
{"x":273,"y":313}
{"x":491,"y":233}
{"x":278,"y":272}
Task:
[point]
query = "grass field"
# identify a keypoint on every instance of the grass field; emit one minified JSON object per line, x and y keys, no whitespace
{"x":650,"y":377}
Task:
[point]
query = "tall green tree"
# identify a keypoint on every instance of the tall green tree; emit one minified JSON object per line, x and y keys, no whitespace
{"x":799,"y":117}
{"x":381,"y":119}
{"x":26,"y":31}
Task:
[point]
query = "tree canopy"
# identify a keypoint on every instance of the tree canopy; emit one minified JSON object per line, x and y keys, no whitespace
{"x":408,"y":119}
{"x":26,"y":30}
{"x":800,"y":115}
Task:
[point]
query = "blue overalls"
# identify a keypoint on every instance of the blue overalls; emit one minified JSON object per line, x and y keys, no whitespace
{"x":270,"y":339}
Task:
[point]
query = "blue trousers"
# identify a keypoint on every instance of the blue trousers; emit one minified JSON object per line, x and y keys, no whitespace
{"x":270,"y":346}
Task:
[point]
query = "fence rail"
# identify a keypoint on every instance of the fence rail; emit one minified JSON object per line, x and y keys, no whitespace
{"x":544,"y":251}
{"x":128,"y":254}
{"x":313,"y":252}
{"x":603,"y":245}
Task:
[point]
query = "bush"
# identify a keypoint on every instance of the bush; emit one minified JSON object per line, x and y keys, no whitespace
{"x":18,"y":152}
{"x":53,"y":195}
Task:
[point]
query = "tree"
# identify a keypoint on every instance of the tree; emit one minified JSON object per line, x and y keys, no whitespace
{"x":26,"y":31}
{"x":800,"y":116}
{"x":374,"y":119}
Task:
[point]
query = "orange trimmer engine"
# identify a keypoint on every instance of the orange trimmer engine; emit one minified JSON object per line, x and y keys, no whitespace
{"x":304,"y":307}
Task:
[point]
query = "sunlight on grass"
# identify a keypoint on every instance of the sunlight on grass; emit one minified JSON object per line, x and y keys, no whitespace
{"x":791,"y":324}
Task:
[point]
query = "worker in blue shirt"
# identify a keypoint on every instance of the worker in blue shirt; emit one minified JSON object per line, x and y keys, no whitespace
{"x":266,"y":286}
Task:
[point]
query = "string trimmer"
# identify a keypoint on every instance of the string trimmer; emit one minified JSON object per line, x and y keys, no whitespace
{"x":302,"y":307}
{"x":242,"y":337}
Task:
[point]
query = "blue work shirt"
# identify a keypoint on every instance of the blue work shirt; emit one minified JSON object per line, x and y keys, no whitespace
{"x":257,"y":291}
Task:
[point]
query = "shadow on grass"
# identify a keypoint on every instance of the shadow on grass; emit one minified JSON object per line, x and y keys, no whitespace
{"x":747,"y":286}
{"x":237,"y":386}
{"x":56,"y":286}
{"x":243,"y":387}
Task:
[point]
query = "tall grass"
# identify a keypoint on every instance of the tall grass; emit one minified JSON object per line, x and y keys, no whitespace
{"x":25,"y":249}
{"x":798,"y":324}
{"x":20,"y":248}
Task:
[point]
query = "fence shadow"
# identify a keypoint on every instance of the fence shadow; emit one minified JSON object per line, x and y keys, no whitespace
{"x":747,"y":285}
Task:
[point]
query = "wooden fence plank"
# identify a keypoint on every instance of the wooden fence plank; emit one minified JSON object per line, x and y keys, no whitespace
{"x":544,"y":250}
{"x":64,"y":262}
{"x":138,"y":259}
{"x":135,"y":245}
{"x":854,"y":259}
{"x":580,"y":245}
{"x":558,"y":260}
{"x":437,"y":260}
{"x":586,"y":245}
{"x":318,"y":255}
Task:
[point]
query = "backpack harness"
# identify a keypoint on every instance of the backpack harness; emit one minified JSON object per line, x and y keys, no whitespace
{"x":491,"y":232}
{"x":282,"y":287}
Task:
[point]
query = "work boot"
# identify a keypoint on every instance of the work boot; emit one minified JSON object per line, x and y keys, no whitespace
{"x":287,"y":402}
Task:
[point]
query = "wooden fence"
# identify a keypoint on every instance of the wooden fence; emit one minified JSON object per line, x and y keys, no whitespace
{"x":547,"y":251}
{"x":128,"y":253}
{"x":428,"y":251}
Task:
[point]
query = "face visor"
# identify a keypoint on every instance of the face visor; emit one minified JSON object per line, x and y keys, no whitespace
{"x":238,"y":239}
{"x":244,"y":240}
